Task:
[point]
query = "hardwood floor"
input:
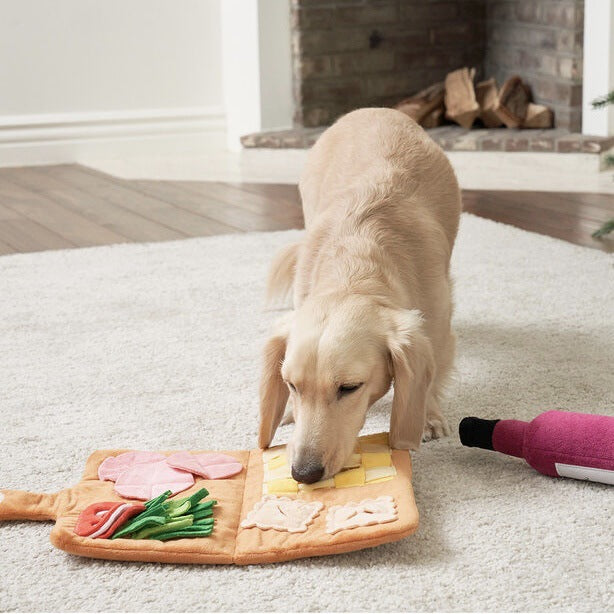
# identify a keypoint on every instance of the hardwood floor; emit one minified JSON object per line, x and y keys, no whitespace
{"x":571,"y":216}
{"x":56,"y":207}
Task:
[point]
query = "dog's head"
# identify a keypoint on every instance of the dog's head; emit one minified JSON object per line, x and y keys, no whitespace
{"x":334,"y":358}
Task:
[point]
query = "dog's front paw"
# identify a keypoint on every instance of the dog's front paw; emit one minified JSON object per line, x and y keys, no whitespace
{"x":436,"y":427}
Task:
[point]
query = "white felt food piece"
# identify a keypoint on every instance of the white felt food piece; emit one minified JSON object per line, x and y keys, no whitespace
{"x":282,"y":514}
{"x":271,"y":453}
{"x":280,"y":473}
{"x":363,"y":514}
{"x":379,"y":473}
{"x":148,"y":480}
{"x":210,"y":466}
{"x":113,"y":466}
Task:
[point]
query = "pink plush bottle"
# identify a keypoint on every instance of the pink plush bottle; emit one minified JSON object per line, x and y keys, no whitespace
{"x":557,"y":443}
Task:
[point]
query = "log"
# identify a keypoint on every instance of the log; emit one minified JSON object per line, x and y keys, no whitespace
{"x":513,"y":102}
{"x":538,"y":116}
{"x":421,"y":104}
{"x":486,"y":95}
{"x":434,"y":118}
{"x":461,"y":105}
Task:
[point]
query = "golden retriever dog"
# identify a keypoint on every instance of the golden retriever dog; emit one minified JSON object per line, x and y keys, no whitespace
{"x":371,"y":293}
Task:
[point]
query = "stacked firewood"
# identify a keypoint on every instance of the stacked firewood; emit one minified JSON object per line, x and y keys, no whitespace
{"x":459,"y":100}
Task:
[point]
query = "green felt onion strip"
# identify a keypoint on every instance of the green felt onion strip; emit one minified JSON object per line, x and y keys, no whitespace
{"x":163,"y":519}
{"x":165,"y":528}
{"x":142,"y":523}
{"x":184,"y":533}
{"x":203,"y":514}
{"x":197,"y":496}
{"x":159,"y":499}
{"x":207,"y":505}
{"x":180,"y":510}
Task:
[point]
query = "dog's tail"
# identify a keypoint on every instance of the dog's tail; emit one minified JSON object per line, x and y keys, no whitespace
{"x":281,"y":275}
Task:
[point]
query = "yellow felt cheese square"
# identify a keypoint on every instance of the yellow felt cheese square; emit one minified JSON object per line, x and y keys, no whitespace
{"x":277,"y":462}
{"x":330,"y":483}
{"x":375,"y":438}
{"x":351,"y":477}
{"x":376,"y":459}
{"x":284,"y":485}
{"x":374,"y":447}
{"x":352,"y":462}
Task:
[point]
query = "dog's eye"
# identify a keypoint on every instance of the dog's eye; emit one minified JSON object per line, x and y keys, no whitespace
{"x":292,"y":386}
{"x":347,"y":389}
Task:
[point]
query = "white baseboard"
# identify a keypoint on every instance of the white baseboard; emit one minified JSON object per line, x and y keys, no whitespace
{"x":70,"y":137}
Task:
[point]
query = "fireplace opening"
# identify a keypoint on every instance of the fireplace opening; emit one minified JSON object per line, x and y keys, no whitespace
{"x":351,"y":54}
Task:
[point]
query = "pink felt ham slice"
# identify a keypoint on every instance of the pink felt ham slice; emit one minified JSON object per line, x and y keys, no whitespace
{"x":148,"y":480}
{"x":209,"y":466}
{"x":113,"y":466}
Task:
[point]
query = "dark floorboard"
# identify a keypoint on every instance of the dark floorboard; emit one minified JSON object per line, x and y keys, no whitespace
{"x":65,"y":206}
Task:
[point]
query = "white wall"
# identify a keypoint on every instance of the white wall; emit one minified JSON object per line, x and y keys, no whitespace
{"x":598,"y":70}
{"x":257,"y":66}
{"x":82,"y":70}
{"x":275,"y":64}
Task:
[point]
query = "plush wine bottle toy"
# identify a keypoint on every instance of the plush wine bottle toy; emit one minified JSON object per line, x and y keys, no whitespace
{"x":557,"y":443}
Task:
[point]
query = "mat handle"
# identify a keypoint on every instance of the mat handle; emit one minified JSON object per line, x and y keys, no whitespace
{"x":23,"y":505}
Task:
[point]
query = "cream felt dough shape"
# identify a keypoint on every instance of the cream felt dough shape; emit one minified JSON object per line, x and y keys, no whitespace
{"x":362,"y":514}
{"x":282,"y":514}
{"x":232,"y":540}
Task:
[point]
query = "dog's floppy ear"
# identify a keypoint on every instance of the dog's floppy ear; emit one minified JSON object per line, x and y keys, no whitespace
{"x":273,"y":391}
{"x":413,"y":367}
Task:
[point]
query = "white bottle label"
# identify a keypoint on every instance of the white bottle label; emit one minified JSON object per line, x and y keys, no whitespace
{"x":606,"y":476}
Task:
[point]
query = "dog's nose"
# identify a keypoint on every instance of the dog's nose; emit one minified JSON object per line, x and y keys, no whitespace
{"x":307,"y":473}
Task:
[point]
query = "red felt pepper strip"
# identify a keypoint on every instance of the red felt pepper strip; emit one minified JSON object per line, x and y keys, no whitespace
{"x":128,"y":513}
{"x":101,"y":520}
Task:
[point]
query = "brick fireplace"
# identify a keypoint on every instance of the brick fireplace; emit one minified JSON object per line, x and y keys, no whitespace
{"x":352,"y":53}
{"x":347,"y":54}
{"x":542,"y":42}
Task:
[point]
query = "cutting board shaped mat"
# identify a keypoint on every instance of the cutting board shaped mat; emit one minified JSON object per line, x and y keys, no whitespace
{"x":237,"y":497}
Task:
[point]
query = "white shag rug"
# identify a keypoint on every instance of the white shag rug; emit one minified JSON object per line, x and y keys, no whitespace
{"x":157,"y":346}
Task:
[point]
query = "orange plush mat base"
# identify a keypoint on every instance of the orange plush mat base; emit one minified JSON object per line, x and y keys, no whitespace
{"x":236,"y":496}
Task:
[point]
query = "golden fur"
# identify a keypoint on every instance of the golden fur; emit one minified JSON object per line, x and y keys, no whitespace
{"x":371,"y":291}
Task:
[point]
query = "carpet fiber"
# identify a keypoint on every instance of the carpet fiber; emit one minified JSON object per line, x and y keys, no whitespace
{"x":157,"y":346}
